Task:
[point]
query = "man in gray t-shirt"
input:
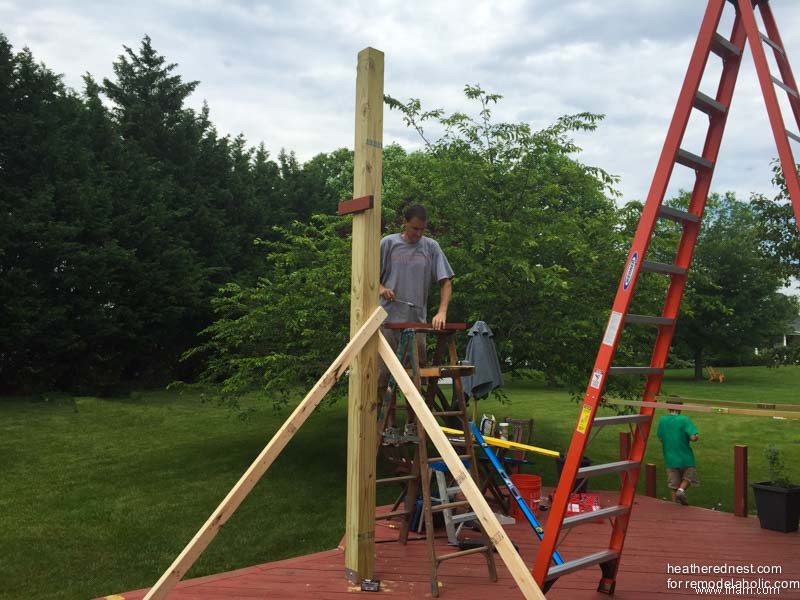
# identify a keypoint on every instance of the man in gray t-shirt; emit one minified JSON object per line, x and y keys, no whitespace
{"x":409,"y":264}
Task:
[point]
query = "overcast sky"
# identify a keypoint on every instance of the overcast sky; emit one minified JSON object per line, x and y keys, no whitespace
{"x":284,"y":72}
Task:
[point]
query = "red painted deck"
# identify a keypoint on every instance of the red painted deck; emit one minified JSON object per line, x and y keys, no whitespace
{"x":659,"y":534}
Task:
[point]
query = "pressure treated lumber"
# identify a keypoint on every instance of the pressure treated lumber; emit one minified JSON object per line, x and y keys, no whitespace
{"x":362,"y":431}
{"x":247,"y":482}
{"x":494,"y":530}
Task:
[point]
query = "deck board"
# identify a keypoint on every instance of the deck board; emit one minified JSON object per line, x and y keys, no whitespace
{"x":659,"y":533}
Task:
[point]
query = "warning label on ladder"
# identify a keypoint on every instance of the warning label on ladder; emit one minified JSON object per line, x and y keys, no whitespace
{"x":583,"y":421}
{"x":613,"y":327}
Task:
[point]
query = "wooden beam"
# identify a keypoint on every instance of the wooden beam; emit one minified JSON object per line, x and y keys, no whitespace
{"x":362,"y":425}
{"x":519,"y":571}
{"x":356,"y":205}
{"x":247,"y":482}
{"x":720,"y":410}
{"x":732,"y":403}
{"x":740,"y":481}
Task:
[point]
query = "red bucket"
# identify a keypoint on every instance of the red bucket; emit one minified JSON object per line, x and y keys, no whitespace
{"x":530,"y":490}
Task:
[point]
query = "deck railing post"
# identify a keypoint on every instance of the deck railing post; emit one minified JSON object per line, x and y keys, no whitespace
{"x":740,"y":481}
{"x":650,"y":480}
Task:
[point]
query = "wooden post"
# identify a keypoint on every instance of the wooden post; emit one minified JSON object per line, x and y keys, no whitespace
{"x":247,"y":482}
{"x":650,"y":480}
{"x":740,"y":481}
{"x":497,"y":535}
{"x":362,"y":427}
{"x":624,"y":444}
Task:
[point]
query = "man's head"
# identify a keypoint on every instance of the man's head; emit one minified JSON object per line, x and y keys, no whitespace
{"x":675,"y":411}
{"x":415,"y":218}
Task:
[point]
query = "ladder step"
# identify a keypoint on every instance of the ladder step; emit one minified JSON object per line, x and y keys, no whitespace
{"x":675,"y":214}
{"x":606,"y":468}
{"x":603,"y":513}
{"x":793,"y":136}
{"x":436,"y":459}
{"x":449,"y":505}
{"x":687,"y":159}
{"x":648,"y":320}
{"x":774,"y":46}
{"x":619,"y":420}
{"x":463,"y":518}
{"x":789,"y":90}
{"x":649,"y":266}
{"x":580,"y":563}
{"x":392,"y":515}
{"x":396,"y":479}
{"x":448,"y":413}
{"x":478,"y":550}
{"x":708,"y":105}
{"x":723,"y":47}
{"x":635,"y":371}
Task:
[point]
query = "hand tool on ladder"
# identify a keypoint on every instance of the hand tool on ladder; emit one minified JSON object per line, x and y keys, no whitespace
{"x":729,"y":50}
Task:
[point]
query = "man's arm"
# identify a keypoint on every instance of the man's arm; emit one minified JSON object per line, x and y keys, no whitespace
{"x":440,"y":318}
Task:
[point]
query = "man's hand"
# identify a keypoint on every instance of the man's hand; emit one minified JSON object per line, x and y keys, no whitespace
{"x":387,"y":293}
{"x":439,"y":320}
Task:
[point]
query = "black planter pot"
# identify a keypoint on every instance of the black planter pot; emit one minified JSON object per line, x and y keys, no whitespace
{"x":778,"y":507}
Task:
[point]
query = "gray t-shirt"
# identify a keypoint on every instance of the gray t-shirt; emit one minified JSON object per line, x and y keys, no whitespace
{"x":409,"y":269}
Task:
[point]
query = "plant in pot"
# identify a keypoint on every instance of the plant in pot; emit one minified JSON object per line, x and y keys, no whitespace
{"x":777,"y":501}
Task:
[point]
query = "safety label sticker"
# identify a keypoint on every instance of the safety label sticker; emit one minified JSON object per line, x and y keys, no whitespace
{"x":597,"y":377}
{"x":613,"y":327}
{"x":583,"y":421}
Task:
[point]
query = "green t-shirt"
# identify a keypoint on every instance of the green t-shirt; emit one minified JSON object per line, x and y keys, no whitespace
{"x":674,"y":432}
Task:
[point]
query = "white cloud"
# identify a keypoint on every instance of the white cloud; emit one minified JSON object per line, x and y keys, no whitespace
{"x":284,"y":73}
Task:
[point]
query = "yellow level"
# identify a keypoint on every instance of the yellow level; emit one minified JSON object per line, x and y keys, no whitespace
{"x":510,"y":445}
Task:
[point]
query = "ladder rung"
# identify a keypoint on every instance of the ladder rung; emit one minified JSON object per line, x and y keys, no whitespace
{"x":396,"y":479}
{"x":635,"y":371}
{"x":448,"y":413}
{"x":647,"y":320}
{"x":479,"y":549}
{"x":619,"y":420}
{"x":449,"y":505}
{"x":723,"y":47}
{"x":789,"y":90}
{"x":580,"y":563}
{"x":675,"y":214}
{"x":435,"y":459}
{"x":687,"y":159}
{"x":392,"y":515}
{"x":769,"y":42}
{"x":606,"y":468}
{"x":447,"y":371}
{"x":649,"y":266}
{"x":794,"y":136}
{"x":603,"y":513}
{"x":708,"y":105}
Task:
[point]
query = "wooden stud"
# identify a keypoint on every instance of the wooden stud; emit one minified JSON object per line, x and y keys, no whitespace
{"x":247,"y":482}
{"x":356,"y":205}
{"x":497,"y":535}
{"x":755,"y":412}
{"x":740,"y":481}
{"x":362,"y":427}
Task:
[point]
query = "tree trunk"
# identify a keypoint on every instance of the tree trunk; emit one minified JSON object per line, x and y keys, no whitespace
{"x":698,"y":364}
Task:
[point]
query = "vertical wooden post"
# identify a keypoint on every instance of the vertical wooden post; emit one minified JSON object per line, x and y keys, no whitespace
{"x":362,"y":425}
{"x":740,"y":481}
{"x":650,"y":480}
{"x":624,"y":444}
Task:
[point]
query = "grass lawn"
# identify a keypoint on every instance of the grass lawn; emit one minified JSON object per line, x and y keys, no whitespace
{"x":100,"y":495}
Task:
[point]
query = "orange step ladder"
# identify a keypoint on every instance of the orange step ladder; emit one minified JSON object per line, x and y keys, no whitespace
{"x":729,"y":49}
